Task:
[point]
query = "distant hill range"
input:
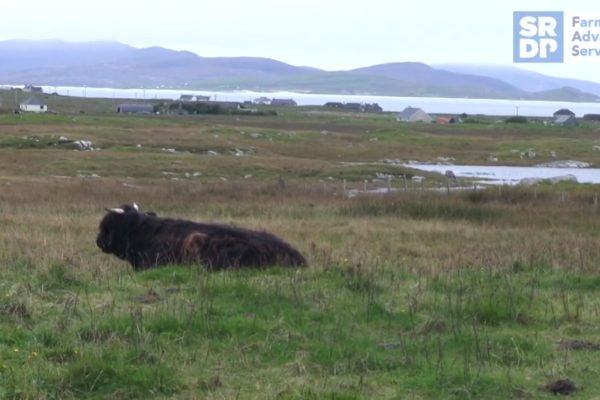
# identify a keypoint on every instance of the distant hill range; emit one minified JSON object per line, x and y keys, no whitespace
{"x":117,"y":65}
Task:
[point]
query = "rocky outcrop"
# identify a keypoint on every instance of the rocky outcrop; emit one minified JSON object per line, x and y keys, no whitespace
{"x":564,"y":178}
{"x":555,"y":180}
{"x":564,"y":164}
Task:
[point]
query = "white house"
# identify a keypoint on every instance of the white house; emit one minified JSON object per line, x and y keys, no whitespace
{"x":410,"y":114}
{"x":34,"y":104}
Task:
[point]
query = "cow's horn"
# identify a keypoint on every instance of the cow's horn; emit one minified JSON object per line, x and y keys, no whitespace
{"x":135,"y":206}
{"x":115,"y":210}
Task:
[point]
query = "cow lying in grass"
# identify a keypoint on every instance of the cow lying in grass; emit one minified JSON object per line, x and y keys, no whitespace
{"x":146,"y":241}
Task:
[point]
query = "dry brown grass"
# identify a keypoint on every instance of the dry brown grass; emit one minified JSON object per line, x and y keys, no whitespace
{"x":435,"y":231}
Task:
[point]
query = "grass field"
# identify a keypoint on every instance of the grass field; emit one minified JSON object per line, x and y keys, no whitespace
{"x":414,"y":295}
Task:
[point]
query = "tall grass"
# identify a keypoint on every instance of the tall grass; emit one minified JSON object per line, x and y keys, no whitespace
{"x":418,"y":294}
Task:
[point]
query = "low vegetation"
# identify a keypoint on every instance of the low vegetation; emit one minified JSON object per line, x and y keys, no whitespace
{"x":418,"y":294}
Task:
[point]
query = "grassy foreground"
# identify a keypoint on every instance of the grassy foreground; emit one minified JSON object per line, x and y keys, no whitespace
{"x":412,"y":295}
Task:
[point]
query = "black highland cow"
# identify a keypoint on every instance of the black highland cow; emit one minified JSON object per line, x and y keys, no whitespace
{"x":147,"y":241}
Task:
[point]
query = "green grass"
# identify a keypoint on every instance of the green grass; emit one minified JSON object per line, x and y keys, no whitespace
{"x":370,"y":331}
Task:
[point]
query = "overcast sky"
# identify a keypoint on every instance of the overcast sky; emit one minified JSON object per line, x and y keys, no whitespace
{"x":328,"y":34}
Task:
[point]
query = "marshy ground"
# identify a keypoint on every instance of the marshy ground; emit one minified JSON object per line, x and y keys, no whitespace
{"x":414,"y":295}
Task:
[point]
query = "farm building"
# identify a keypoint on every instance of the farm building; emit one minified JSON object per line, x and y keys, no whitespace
{"x":563,"y":111}
{"x":34,"y":104}
{"x":592,"y":117}
{"x":373,"y":107}
{"x":33,"y":89}
{"x":283,"y":102}
{"x":566,"y":120}
{"x":410,"y":114}
{"x":135,"y":109}
{"x":262,"y":100}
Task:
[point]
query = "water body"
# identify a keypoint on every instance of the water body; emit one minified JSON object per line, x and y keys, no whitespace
{"x":510,"y":175}
{"x":388,"y":103}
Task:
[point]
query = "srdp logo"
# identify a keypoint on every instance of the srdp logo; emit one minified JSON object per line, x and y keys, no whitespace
{"x":538,"y":37}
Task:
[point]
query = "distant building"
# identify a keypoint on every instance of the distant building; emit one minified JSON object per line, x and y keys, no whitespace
{"x":33,"y":89}
{"x":373,"y":107}
{"x":262,"y":100}
{"x":566,"y":120}
{"x":353,"y":106}
{"x":563,"y":111}
{"x":34,"y":104}
{"x":410,"y":114}
{"x":283,"y":102}
{"x":592,"y":117}
{"x":135,"y":109}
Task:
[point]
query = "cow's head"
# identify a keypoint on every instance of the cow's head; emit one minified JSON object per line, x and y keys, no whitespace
{"x":114,"y":229}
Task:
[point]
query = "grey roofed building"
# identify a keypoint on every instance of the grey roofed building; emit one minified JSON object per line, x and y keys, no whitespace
{"x":31,"y":88}
{"x":410,"y":114}
{"x":591,"y":117}
{"x":33,"y":101}
{"x":563,"y":111}
{"x":135,"y":109}
{"x":566,"y":120}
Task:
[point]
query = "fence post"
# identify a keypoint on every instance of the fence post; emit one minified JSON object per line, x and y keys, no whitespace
{"x":389,"y":183}
{"x":344,"y":188}
{"x":365,"y":185}
{"x":423,"y":183}
{"x":562,"y":196}
{"x":596,"y":200}
{"x":405,"y":183}
{"x":448,"y":183}
{"x":324,"y":188}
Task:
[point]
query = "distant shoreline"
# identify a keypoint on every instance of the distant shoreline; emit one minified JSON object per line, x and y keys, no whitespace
{"x":195,"y":90}
{"x":432,"y":105}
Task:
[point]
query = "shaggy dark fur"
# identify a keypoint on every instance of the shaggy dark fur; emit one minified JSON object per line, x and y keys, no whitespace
{"x":146,"y":241}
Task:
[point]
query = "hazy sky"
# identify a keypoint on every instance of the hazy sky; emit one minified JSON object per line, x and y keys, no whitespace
{"x":329,"y":34}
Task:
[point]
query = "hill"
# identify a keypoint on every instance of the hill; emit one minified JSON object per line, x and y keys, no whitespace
{"x":523,"y":79}
{"x":55,"y":62}
{"x":113,"y":64}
